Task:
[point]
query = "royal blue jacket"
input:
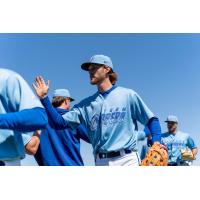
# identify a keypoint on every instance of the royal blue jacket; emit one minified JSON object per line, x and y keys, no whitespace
{"x":60,"y":147}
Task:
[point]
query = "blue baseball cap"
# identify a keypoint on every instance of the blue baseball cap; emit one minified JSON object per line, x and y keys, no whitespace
{"x":172,"y":118}
{"x":98,"y":59}
{"x":62,"y":93}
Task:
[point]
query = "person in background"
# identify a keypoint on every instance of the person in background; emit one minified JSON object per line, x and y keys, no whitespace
{"x":61,"y":147}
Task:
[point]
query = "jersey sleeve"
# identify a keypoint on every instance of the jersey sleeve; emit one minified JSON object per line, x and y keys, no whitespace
{"x":140,"y":111}
{"x":141,"y":135}
{"x":190,"y":143}
{"x":74,"y":117}
{"x":70,"y":119}
{"x":26,"y":138}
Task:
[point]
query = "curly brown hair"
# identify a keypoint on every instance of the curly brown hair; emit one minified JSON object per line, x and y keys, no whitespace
{"x":113,"y":77}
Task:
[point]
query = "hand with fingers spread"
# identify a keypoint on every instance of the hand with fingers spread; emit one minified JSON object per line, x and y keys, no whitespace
{"x":41,"y":88}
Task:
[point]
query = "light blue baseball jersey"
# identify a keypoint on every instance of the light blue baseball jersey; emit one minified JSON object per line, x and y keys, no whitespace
{"x":111,"y":121}
{"x":176,"y":142}
{"x":15,"y":95}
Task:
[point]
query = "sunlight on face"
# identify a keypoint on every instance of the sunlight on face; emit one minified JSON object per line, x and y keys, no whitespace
{"x":97,"y":73}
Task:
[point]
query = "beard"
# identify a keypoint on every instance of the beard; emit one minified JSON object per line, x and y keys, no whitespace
{"x":97,"y":79}
{"x":94,"y":81}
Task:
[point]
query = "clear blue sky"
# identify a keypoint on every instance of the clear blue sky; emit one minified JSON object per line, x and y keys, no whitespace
{"x":163,"y":68}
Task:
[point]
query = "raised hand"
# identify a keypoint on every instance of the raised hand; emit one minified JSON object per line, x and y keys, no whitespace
{"x":41,"y":88}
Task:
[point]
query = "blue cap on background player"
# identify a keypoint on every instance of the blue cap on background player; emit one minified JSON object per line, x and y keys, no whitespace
{"x":98,"y":59}
{"x":172,"y":118}
{"x":62,"y":93}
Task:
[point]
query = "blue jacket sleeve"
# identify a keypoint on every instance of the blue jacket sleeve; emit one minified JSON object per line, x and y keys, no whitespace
{"x":155,"y":129}
{"x":24,"y":121}
{"x":147,"y":133}
{"x":55,"y":117}
{"x":82,"y":133}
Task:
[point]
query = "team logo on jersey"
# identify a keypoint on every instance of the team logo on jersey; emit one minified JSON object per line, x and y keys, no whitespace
{"x":94,"y":122}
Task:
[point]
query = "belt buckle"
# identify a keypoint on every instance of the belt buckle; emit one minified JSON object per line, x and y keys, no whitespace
{"x":103,"y":155}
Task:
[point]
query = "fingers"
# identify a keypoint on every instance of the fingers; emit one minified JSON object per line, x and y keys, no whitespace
{"x":48,"y":83}
{"x":34,"y":86}
{"x":39,"y":81}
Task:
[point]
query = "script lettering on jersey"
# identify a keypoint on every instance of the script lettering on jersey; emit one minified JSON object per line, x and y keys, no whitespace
{"x":114,"y":116}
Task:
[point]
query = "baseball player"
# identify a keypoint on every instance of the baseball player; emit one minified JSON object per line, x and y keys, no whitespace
{"x":110,"y":115}
{"x":177,"y":142}
{"x":61,"y":147}
{"x":16,"y":95}
{"x":181,"y":147}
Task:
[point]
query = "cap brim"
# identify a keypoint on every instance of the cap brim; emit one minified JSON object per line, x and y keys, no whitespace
{"x":71,"y":99}
{"x":171,"y":121}
{"x":85,"y":66}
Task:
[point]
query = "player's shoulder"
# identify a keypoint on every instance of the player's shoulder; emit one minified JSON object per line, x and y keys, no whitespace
{"x":9,"y":74}
{"x":88,"y":100}
{"x":126,"y":90}
{"x":182,"y":134}
{"x":165,"y":134}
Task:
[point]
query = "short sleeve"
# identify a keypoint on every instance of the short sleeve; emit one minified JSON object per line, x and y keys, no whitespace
{"x":74,"y":118}
{"x":190,"y":143}
{"x":140,"y":111}
{"x":26,"y":138}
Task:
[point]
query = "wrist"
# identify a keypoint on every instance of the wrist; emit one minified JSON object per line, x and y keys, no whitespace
{"x":43,"y":96}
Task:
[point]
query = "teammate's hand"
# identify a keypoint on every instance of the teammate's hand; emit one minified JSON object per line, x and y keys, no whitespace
{"x":37,"y":133}
{"x":41,"y":88}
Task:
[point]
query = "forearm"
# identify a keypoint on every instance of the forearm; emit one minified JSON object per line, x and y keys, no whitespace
{"x":155,"y":129}
{"x":24,"y":121}
{"x":32,"y":146}
{"x":52,"y":113}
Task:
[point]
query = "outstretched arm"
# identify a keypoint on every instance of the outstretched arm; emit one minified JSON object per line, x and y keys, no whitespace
{"x":72,"y":118}
{"x":24,"y":121}
{"x":41,"y":89}
{"x":55,"y":117}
